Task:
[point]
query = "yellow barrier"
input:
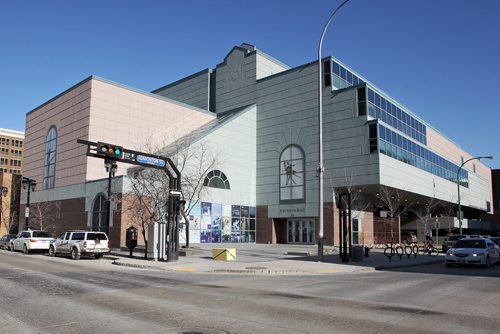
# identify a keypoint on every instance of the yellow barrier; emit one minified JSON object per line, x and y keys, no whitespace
{"x":224,"y":254}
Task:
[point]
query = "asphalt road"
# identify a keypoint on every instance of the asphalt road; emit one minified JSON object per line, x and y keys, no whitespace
{"x":39,"y":294}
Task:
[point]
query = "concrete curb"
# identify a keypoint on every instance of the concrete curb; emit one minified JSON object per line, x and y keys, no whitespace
{"x":139,"y":266}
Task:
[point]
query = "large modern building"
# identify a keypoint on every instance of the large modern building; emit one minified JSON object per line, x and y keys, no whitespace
{"x":11,"y":161}
{"x":260,"y":117}
{"x":11,"y":151}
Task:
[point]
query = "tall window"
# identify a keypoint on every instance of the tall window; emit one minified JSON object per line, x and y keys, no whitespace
{"x":216,"y":179}
{"x":292,"y":174}
{"x":99,"y":214}
{"x":49,"y":173}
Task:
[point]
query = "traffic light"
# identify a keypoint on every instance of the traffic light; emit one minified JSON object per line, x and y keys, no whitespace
{"x":109,"y":150}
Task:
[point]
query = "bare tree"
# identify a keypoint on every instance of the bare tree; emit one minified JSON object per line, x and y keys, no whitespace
{"x":193,"y":160}
{"x":359,"y":202}
{"x":194,"y":163}
{"x":44,"y":215}
{"x":395,"y":202}
{"x":424,"y":211}
{"x":448,"y":209}
{"x":9,"y":219}
{"x":147,"y":203}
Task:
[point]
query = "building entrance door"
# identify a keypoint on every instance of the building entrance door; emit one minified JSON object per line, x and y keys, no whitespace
{"x":300,"y":231}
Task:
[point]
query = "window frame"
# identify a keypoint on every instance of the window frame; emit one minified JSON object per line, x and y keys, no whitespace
{"x":50,"y":158}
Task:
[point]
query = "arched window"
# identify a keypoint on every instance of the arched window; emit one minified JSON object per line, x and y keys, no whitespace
{"x":292,"y":174}
{"x":99,"y":214}
{"x":49,"y":173}
{"x":216,"y":179}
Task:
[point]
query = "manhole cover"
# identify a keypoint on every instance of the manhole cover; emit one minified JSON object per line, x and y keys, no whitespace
{"x":197,"y":330}
{"x":256,"y":268}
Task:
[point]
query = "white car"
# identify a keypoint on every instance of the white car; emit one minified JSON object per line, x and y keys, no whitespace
{"x":477,"y":251}
{"x":78,"y":243}
{"x":31,"y":240}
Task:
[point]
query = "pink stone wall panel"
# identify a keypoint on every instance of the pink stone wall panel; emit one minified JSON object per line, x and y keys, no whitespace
{"x":100,"y":111}
{"x":69,"y":113}
{"x":137,"y":121}
{"x":451,"y":151}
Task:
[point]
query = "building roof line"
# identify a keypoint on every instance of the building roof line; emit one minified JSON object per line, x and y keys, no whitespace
{"x":93,"y":77}
{"x":11,"y":133}
{"x":207,"y":70}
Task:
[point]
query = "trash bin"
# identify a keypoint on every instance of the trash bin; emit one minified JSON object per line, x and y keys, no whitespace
{"x":357,"y":253}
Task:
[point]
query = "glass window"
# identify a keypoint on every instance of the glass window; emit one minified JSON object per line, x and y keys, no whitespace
{"x":343,"y":73}
{"x":388,"y":135}
{"x":371,"y":96}
{"x":50,"y":158}
{"x":349,"y":77}
{"x":384,"y":117}
{"x":382,"y":146}
{"x":382,"y":131}
{"x":371,"y":110}
{"x":336,"y":68}
{"x":292,"y":173}
{"x":216,"y":179}
{"x":377,"y":100}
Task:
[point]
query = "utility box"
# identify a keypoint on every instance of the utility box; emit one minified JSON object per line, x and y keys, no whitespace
{"x":224,"y":254}
{"x":357,"y":253}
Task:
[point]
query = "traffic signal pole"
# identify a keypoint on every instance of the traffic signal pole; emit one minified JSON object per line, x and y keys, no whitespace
{"x":113,"y":153}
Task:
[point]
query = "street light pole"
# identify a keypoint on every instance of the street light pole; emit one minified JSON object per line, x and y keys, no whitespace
{"x":30,"y":184}
{"x":321,"y":168}
{"x":458,"y":187}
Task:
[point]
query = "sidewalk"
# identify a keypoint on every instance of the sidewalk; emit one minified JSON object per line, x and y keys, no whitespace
{"x":277,"y":259}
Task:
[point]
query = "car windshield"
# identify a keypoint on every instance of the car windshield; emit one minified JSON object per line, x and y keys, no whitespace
{"x":470,"y":244}
{"x":95,"y":236}
{"x":41,"y":234}
{"x":455,"y":237}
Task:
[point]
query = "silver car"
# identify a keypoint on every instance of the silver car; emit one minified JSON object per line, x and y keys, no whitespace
{"x":5,"y":241}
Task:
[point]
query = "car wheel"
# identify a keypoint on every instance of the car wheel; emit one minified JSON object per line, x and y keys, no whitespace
{"x":487,"y":263}
{"x":25,"y":249}
{"x":75,"y":254}
{"x":98,"y":256}
{"x":52,"y":251}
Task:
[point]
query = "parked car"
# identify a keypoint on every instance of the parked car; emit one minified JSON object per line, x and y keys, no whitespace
{"x":5,"y":241}
{"x":477,"y":251}
{"x":78,"y":243}
{"x":450,"y":240}
{"x":31,"y":240}
{"x":496,"y":240}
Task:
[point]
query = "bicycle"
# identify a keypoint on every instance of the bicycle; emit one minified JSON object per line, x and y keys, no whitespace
{"x":428,"y":249}
{"x":390,"y":250}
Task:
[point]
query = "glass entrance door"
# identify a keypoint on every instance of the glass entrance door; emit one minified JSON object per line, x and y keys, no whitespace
{"x":300,"y":231}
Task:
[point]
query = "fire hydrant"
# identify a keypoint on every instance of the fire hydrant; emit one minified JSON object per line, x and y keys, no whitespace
{"x":367,"y":250}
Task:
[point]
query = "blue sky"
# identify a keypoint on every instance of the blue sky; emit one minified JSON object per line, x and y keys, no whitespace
{"x":439,"y":58}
